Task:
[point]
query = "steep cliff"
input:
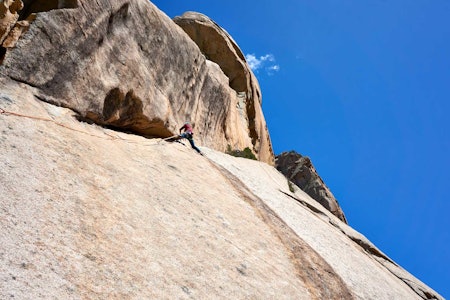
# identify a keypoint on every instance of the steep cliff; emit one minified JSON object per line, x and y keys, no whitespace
{"x":106,"y":209}
{"x":89,"y":212}
{"x":218,"y":46}
{"x":126,"y":64}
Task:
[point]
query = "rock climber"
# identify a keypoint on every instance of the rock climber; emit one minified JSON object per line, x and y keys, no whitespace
{"x":188,"y":134}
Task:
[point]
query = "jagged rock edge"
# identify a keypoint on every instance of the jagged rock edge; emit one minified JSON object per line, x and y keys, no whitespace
{"x":370,"y":249}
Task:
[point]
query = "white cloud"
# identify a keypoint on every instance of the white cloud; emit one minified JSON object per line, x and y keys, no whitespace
{"x":253,"y":62}
{"x":265,"y":62}
{"x":268,"y":57}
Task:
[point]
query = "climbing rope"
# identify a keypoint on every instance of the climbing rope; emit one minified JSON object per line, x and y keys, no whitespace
{"x":111,"y":137}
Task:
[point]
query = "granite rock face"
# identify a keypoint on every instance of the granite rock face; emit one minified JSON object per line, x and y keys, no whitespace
{"x":218,"y":46}
{"x":92,"y":213}
{"x":300,"y":170}
{"x":126,"y":64}
{"x":98,"y":212}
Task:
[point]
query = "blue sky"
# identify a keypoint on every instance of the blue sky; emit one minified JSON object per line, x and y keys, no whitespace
{"x":363,"y":89}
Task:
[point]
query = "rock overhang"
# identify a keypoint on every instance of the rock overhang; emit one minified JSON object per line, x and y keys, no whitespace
{"x":132,"y":47}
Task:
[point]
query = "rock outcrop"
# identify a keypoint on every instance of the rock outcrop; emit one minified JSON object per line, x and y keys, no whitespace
{"x":300,"y":170}
{"x":9,"y":14}
{"x":92,"y":213}
{"x":126,"y":64}
{"x":96,"y":210}
{"x":218,"y":46}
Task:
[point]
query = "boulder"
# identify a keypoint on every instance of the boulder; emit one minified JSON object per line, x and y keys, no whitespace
{"x":218,"y":46}
{"x":300,"y":170}
{"x":127,"y":65}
